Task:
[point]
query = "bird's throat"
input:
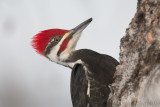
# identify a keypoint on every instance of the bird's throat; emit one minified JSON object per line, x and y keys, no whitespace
{"x":65,"y":60}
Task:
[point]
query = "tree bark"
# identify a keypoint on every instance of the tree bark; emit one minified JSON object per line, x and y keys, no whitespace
{"x":137,"y":79}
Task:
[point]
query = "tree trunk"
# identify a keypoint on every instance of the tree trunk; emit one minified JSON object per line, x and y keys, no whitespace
{"x":137,"y":79}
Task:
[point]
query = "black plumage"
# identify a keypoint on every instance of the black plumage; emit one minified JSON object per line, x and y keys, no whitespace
{"x":99,"y":72}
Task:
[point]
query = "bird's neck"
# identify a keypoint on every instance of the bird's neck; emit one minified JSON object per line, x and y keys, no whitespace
{"x":65,"y":59}
{"x":82,"y":56}
{"x":77,"y":57}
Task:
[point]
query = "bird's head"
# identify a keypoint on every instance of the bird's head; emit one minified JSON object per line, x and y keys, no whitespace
{"x":58,"y":44}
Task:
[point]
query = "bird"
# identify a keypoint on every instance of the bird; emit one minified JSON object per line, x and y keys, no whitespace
{"x":92,"y":72}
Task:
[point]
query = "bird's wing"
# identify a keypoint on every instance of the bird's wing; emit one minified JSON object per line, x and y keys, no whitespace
{"x":79,"y":86}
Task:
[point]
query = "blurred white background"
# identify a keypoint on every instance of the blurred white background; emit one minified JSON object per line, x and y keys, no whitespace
{"x":30,"y":80}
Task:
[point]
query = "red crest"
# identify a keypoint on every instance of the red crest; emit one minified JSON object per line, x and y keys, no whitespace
{"x":41,"y":40}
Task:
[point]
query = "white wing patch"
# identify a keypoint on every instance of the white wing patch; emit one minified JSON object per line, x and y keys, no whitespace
{"x":88,"y":89}
{"x":89,"y":85}
{"x":73,"y":63}
{"x":86,"y":73}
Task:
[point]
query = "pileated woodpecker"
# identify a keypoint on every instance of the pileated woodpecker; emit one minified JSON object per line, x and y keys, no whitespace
{"x":91,"y":72}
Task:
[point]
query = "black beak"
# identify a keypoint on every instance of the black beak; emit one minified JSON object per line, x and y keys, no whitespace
{"x":80,"y":27}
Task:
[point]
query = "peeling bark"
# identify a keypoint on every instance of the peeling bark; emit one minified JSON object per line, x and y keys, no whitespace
{"x":137,"y":79}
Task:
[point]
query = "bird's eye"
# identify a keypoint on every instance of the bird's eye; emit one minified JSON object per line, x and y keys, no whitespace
{"x":56,"y":40}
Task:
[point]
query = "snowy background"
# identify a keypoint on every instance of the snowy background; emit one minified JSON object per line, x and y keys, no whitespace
{"x":30,"y":80}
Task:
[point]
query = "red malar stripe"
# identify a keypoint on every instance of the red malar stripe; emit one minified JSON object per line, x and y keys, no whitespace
{"x":64,"y":45}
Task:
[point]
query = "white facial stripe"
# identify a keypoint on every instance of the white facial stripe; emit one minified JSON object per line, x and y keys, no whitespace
{"x":64,"y":37}
{"x":70,"y":47}
{"x":65,"y":54}
{"x":53,"y":53}
{"x":74,"y":40}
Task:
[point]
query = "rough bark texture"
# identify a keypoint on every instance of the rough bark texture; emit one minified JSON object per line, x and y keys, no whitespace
{"x":137,"y":79}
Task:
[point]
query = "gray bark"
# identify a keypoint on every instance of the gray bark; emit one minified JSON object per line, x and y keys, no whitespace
{"x":137,"y":79}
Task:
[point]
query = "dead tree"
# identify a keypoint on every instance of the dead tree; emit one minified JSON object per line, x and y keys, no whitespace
{"x":137,"y":79}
